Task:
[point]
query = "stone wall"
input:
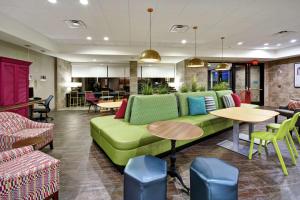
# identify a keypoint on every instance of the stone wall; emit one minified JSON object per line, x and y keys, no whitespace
{"x":279,"y":82}
{"x":185,"y":74}
{"x":63,"y":76}
{"x":133,"y":82}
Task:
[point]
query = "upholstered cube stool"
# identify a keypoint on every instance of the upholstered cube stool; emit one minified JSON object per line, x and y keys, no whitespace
{"x":213,"y":179}
{"x":145,"y":178}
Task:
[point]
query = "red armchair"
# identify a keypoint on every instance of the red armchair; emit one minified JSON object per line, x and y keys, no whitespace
{"x":28,"y":174}
{"x":91,"y":100}
{"x":14,"y":127}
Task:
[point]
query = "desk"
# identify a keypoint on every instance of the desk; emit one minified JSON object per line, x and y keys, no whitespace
{"x":28,"y":105}
{"x":175,"y":131}
{"x":239,"y":114}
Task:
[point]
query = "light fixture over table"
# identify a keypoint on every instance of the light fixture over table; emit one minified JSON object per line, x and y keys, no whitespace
{"x":150,"y":55}
{"x":195,"y":61}
{"x":222,"y":66}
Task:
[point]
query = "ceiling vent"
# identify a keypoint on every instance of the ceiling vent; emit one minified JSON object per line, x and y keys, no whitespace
{"x":74,"y":23}
{"x":179,"y":28}
{"x":284,"y":33}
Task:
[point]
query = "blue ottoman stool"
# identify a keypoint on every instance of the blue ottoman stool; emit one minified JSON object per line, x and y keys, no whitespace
{"x":213,"y":179}
{"x":145,"y":178}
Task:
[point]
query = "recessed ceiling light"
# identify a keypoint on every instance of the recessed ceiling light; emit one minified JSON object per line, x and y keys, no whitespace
{"x":278,"y":44}
{"x":84,"y":2}
{"x":293,"y":41}
{"x":106,"y":38}
{"x":240,"y":43}
{"x":52,"y":1}
{"x":266,"y":44}
{"x":183,"y":41}
{"x":89,"y":38}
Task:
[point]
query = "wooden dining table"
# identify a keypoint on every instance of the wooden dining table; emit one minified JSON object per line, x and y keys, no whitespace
{"x":238,"y":115}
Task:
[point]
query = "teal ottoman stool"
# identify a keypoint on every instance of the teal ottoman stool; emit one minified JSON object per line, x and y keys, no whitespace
{"x":213,"y":179}
{"x":145,"y":178}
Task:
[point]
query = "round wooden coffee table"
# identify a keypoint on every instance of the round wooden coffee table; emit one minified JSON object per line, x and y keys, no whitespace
{"x":175,"y":131}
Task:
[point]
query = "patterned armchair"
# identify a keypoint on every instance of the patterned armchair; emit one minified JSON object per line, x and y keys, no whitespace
{"x":28,"y":174}
{"x":14,"y":127}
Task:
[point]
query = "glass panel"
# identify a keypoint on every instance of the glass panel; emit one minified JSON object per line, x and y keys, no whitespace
{"x":240,"y":83}
{"x":255,"y":83}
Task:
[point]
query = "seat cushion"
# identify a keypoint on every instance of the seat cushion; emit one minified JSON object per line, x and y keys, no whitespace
{"x":124,"y":136}
{"x":34,"y":175}
{"x":151,"y":108}
{"x":146,"y":169}
{"x":31,"y":132}
{"x":215,"y":170}
{"x":197,"y":106}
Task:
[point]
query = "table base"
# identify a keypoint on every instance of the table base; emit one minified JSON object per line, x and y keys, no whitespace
{"x":172,"y":169}
{"x":245,"y":137}
{"x":241,"y":149}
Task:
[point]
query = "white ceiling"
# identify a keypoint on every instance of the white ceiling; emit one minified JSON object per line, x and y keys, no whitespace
{"x":125,"y":22}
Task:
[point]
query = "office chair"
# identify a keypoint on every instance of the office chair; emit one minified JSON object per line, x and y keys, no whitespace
{"x":45,"y":110}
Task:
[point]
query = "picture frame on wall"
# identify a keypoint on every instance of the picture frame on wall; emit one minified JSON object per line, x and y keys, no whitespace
{"x":297,"y":75}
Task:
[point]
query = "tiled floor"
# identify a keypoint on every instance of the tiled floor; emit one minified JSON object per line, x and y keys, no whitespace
{"x":86,"y":173}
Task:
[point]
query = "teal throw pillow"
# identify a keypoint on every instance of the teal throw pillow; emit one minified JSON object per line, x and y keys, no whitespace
{"x":197,"y":106}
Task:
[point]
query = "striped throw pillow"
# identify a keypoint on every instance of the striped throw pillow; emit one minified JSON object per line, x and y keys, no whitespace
{"x":210,"y":104}
{"x":228,"y":101}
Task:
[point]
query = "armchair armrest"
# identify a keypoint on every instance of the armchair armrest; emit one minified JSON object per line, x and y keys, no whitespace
{"x":33,"y":124}
{"x":283,"y":107}
{"x":297,"y":110}
{"x":14,"y":153}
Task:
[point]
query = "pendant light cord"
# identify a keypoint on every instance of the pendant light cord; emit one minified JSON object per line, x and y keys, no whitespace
{"x":150,"y":28}
{"x":222,"y":38}
{"x":195,"y":28}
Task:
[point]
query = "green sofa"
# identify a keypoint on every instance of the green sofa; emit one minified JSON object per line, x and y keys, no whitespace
{"x":122,"y":139}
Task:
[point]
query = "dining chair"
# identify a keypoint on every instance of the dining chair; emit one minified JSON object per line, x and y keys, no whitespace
{"x":74,"y":98}
{"x":292,"y":128}
{"x":281,"y":134}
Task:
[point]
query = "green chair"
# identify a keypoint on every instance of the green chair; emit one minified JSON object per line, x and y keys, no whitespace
{"x":281,"y":134}
{"x":273,"y":127}
{"x":293,"y":127}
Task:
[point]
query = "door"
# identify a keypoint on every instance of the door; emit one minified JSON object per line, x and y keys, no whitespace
{"x":249,"y":77}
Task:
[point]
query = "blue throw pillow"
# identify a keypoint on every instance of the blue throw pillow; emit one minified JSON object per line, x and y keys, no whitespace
{"x":197,"y":106}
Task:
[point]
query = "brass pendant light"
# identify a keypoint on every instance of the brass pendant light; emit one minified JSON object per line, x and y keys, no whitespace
{"x":222,"y":66}
{"x":150,"y":55}
{"x":195,"y":62}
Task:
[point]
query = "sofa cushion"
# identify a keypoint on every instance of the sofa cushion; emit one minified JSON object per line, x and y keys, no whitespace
{"x":197,"y":106}
{"x":128,"y":108}
{"x":228,"y":101}
{"x":236,"y":99}
{"x":220,"y":95}
{"x":210,"y":104}
{"x":147,"y":109}
{"x":121,"y":112}
{"x":183,"y":102}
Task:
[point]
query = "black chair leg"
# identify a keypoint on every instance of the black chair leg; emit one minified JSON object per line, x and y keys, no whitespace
{"x":51,"y":145}
{"x":276,"y":119}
